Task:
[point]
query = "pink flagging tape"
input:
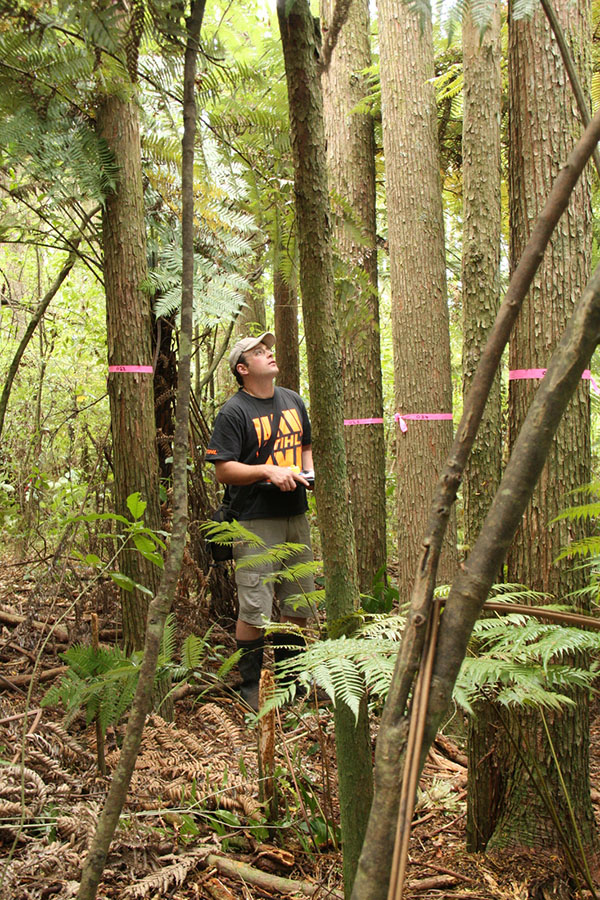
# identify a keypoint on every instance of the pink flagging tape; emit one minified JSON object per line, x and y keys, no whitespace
{"x":401,"y":418}
{"x":363,"y":421}
{"x":148,"y":369}
{"x":525,"y":374}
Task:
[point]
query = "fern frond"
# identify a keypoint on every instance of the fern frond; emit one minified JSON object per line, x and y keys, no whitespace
{"x":524,"y":9}
{"x":585,"y":511}
{"x":295,"y":571}
{"x":229,"y":533}
{"x":275,"y":555}
{"x":580,"y":549}
{"x":481,"y":13}
{"x":193,"y":651}
{"x":167,"y":644}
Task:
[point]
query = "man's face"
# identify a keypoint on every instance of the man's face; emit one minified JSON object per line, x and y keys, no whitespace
{"x":260,"y":361}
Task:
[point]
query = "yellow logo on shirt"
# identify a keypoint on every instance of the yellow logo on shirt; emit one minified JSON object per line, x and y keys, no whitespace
{"x":287,"y":450}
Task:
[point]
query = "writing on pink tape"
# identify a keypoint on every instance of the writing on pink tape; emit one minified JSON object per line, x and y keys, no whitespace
{"x":402,"y":418}
{"x":363,"y":421}
{"x":148,"y":369}
{"x":526,"y":374}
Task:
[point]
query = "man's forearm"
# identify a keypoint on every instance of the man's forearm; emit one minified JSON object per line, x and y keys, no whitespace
{"x":232,"y":472}
{"x":307,"y":458}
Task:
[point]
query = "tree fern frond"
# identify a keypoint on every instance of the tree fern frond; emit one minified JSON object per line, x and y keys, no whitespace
{"x":421,"y":9}
{"x":524,"y":9}
{"x":531,"y":693}
{"x":275,"y":555}
{"x":584,"y":511}
{"x":579,"y":549}
{"x":481,"y":13}
{"x":296,"y":571}
{"x":558,"y":643}
{"x":507,"y":592}
{"x":229,"y":533}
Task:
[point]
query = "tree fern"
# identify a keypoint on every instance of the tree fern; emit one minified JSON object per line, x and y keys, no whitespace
{"x":520,"y":662}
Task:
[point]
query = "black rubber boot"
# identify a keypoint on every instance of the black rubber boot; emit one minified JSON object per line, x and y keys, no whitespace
{"x":287,"y":645}
{"x":250,"y":665}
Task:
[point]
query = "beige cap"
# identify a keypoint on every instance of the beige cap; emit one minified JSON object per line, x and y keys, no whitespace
{"x":248,"y":344}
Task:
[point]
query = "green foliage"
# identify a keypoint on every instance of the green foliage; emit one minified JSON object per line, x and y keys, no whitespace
{"x":382,"y":597}
{"x":133,"y":534}
{"x":101,"y":681}
{"x":520,"y":661}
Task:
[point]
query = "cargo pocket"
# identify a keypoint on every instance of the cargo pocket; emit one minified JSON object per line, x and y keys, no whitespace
{"x":254,"y":596}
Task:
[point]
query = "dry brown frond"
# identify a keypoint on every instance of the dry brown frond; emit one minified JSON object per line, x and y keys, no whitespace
{"x":167,"y":878}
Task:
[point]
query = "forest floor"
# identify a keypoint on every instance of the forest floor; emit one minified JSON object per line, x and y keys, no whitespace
{"x":192,"y":826}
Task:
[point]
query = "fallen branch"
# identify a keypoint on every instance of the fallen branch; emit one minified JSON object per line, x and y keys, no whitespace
{"x":15,"y":718}
{"x":432,"y":884}
{"x":244,"y":872}
{"x":442,"y":870}
{"x":60,"y":633}
{"x":574,"y":620}
{"x":17,"y":680}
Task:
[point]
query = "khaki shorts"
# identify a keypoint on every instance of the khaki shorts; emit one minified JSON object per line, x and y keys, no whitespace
{"x":255,"y":595}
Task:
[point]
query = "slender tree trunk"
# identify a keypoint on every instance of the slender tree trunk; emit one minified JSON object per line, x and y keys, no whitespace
{"x":351,"y":160}
{"x":162,"y":601}
{"x":543,"y":119}
{"x":482,"y":223}
{"x":418,"y":278}
{"x":300,"y":49}
{"x":286,"y":330}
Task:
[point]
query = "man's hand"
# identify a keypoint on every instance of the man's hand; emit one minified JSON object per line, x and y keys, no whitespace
{"x":285,"y":478}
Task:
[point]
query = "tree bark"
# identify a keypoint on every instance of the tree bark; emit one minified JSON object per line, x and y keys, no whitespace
{"x":301,"y":50}
{"x":351,"y":166}
{"x":286,"y":330}
{"x":482,"y":224}
{"x":162,"y":601}
{"x":420,"y":324}
{"x":128,"y":324}
{"x":542,"y":121}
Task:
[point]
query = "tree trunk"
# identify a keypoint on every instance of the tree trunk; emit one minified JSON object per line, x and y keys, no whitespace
{"x":418,"y":278}
{"x":543,"y":119}
{"x":128,"y":323}
{"x":300,"y":49}
{"x":286,"y":330}
{"x":482,"y":223}
{"x":351,"y":160}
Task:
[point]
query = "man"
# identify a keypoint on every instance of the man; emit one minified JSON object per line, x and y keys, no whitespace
{"x":261,"y":449}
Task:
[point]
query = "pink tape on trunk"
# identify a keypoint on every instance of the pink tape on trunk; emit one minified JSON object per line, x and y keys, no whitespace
{"x":402,"y":418}
{"x":130,"y":369}
{"x":526,"y":374}
{"x":363,"y":421}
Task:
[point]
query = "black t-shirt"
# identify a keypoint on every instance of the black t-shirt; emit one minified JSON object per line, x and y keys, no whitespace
{"x":242,"y":427}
